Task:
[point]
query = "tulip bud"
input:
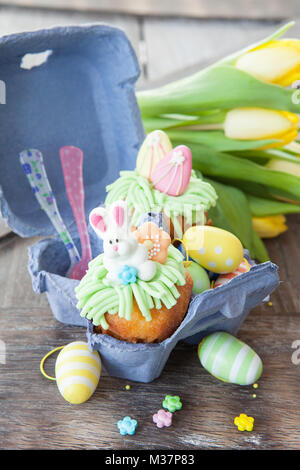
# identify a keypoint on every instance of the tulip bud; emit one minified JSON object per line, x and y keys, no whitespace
{"x":269,"y":226}
{"x":275,"y":62}
{"x":284,"y":166}
{"x":260,"y":123}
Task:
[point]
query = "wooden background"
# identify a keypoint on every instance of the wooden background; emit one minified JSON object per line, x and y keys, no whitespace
{"x":32,"y":413}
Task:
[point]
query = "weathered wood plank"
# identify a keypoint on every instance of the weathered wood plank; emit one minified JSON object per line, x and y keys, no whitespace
{"x":16,"y":20}
{"x":27,"y":399}
{"x":192,"y":8}
{"x":15,"y":283}
{"x":175,"y":45}
{"x":19,"y":20}
{"x":285,"y":252}
{"x":209,"y":406}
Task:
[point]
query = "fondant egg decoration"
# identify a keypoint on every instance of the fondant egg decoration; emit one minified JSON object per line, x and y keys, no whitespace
{"x":77,"y":372}
{"x":201,"y":281}
{"x":213,"y":248}
{"x":156,"y":145}
{"x":172,"y":174}
{"x":229,"y":359}
{"x":224,"y":278}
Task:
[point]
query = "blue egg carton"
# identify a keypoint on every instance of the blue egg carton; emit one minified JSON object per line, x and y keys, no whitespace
{"x":83,"y":95}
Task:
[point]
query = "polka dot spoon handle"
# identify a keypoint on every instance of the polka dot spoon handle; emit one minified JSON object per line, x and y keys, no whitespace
{"x":33,"y":166}
{"x":71,"y":160}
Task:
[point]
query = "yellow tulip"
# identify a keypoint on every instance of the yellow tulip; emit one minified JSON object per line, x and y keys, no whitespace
{"x":284,"y":166}
{"x":275,"y":62}
{"x":269,"y":226}
{"x":260,"y":123}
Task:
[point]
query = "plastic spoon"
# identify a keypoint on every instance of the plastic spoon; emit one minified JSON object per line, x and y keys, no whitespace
{"x":33,"y":166}
{"x":71,"y":160}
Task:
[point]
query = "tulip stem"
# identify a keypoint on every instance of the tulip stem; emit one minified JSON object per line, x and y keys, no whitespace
{"x":205,"y":127}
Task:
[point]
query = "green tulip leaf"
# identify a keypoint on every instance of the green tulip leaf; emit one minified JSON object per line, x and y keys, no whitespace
{"x":172,"y":121}
{"x":232,"y":213}
{"x":261,"y":207}
{"x":264,"y":155}
{"x":216,"y":140}
{"x":226,"y":166}
{"x":218,"y":87}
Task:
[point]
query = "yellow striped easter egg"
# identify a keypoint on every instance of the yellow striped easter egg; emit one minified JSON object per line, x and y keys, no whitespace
{"x":77,"y":372}
{"x":156,"y":145}
{"x":229,"y":359}
{"x":213,"y":248}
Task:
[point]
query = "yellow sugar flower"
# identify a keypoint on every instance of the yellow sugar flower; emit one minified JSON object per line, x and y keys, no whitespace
{"x":276,"y":61}
{"x":244,"y":422}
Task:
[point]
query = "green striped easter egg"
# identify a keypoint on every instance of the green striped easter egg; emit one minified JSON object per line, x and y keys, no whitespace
{"x":229,"y":359}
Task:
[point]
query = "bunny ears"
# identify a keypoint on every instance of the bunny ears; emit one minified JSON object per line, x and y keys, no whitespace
{"x":115,"y":218}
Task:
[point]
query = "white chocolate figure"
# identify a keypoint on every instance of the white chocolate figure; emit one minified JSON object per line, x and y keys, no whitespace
{"x":120,"y":246}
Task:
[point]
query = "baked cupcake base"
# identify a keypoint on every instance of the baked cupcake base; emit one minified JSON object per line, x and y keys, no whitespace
{"x":163,"y":324}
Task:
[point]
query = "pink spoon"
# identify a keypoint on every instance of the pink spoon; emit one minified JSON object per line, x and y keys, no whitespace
{"x":71,"y":160}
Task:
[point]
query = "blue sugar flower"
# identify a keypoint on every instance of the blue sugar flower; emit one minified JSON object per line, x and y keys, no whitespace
{"x":128,"y":274}
{"x":127,"y":426}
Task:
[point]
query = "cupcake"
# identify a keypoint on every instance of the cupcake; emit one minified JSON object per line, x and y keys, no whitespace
{"x":137,"y":290}
{"x":164,"y":181}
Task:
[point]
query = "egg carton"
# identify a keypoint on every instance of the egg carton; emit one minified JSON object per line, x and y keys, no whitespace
{"x":82,"y":94}
{"x":221,"y":309}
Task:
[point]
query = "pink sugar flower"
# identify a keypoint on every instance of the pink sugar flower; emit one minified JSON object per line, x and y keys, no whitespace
{"x":162,"y":418}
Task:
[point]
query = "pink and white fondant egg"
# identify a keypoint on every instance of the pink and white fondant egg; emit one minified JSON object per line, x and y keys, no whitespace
{"x":172,"y":174}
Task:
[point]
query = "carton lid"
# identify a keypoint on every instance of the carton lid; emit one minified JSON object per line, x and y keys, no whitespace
{"x":82,"y":95}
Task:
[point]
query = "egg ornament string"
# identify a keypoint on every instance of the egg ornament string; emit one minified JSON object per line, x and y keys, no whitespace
{"x":201,"y":281}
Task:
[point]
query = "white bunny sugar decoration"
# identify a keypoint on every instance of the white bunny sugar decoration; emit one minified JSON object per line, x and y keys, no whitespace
{"x":124,"y":258}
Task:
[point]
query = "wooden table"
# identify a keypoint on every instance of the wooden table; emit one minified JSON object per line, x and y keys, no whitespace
{"x":32,"y":412}
{"x":34,"y":415}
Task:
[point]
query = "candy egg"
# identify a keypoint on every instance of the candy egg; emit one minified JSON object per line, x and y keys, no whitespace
{"x":156,"y":145}
{"x":229,"y":359}
{"x":224,"y":278}
{"x":172,"y":174}
{"x":77,"y":372}
{"x":213,"y":248}
{"x":200,"y":278}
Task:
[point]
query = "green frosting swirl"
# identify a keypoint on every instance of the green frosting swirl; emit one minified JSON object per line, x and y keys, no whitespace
{"x":142,"y":197}
{"x":97,"y":296}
